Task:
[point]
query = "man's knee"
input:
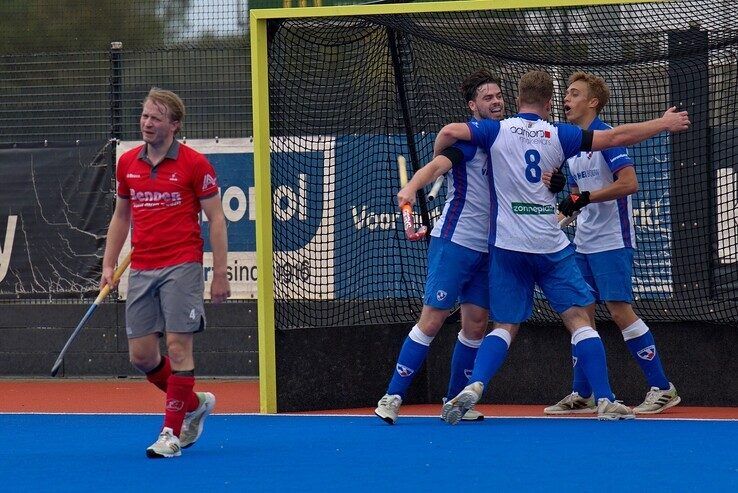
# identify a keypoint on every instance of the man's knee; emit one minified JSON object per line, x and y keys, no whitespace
{"x":143,"y":360}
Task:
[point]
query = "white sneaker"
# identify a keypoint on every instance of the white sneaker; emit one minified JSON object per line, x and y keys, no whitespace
{"x":167,"y":445}
{"x":471,"y":415}
{"x":388,"y":407}
{"x":193,"y":422}
{"x":658,"y":400}
{"x":457,"y":407}
{"x":572,"y":404}
{"x":613,"y":411}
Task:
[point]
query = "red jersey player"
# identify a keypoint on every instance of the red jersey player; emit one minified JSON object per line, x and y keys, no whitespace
{"x":162,"y":187}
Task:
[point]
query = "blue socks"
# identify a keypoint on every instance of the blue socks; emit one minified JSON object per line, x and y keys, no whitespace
{"x":462,"y":363}
{"x":490,"y":356}
{"x":643,"y":348}
{"x":580,"y":384}
{"x":411,"y":358}
{"x":590,"y":353}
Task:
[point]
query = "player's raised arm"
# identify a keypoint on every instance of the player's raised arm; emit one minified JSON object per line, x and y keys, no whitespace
{"x":633,"y":133}
{"x":449,"y":135}
{"x":425,"y":175}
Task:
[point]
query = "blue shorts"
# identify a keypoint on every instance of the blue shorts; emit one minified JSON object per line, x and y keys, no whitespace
{"x":455,"y":273}
{"x":610,"y":273}
{"x":513,"y":276}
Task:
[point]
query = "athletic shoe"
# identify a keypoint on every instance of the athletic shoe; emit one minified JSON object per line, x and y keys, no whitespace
{"x":388,"y":407}
{"x":167,"y":445}
{"x":613,"y":411}
{"x":658,"y":400}
{"x":193,"y":421}
{"x":572,"y":404}
{"x":471,"y":415}
{"x":457,"y":407}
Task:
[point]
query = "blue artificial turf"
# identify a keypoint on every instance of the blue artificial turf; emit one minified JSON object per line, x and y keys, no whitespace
{"x":336,"y":453}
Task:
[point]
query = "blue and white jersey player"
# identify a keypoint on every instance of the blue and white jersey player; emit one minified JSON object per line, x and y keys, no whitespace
{"x":526,"y":245}
{"x":457,"y":256}
{"x":601,"y":187}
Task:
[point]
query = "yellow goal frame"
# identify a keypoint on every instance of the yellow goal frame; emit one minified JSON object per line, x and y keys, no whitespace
{"x":262,"y":171}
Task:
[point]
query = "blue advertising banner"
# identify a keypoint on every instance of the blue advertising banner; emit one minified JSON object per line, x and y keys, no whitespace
{"x":338,"y":233}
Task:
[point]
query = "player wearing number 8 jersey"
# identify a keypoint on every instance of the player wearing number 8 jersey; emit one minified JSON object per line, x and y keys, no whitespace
{"x":526,"y":245}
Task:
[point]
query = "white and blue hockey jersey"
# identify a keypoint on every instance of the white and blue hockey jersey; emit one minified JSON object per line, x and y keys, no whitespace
{"x":465,"y":217}
{"x":522,"y":208}
{"x":605,"y":225}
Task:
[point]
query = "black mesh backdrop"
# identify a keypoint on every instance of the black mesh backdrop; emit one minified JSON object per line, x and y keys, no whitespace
{"x":347,"y":95}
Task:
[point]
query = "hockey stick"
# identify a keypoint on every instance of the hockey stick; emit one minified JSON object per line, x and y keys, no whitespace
{"x":568,"y":220}
{"x":103,"y":293}
{"x":407,"y":210}
{"x":435,"y":188}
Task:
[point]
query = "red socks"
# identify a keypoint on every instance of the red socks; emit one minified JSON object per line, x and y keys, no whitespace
{"x":159,"y":376}
{"x":179,"y":391}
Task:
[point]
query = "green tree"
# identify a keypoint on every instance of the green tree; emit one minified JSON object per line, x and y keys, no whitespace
{"x":53,"y":26}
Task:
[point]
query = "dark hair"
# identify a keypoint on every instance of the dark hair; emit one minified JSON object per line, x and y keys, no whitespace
{"x":471,"y":84}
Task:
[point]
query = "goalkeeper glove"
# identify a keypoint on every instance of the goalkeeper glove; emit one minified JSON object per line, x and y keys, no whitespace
{"x":574,"y":202}
{"x":558,"y":182}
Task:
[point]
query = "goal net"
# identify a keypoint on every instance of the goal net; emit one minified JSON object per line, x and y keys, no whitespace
{"x":349,"y":93}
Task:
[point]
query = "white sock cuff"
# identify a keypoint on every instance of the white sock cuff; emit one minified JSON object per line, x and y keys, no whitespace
{"x":472,"y":343}
{"x":418,"y":336}
{"x":583,"y":333}
{"x":502,"y":334}
{"x":636,"y":329}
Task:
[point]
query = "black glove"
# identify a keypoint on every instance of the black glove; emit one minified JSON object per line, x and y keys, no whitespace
{"x":574,"y":202}
{"x":558,"y":181}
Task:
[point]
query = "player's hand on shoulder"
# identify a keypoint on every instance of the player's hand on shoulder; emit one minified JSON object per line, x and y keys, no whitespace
{"x":676,"y":121}
{"x":555,"y":181}
{"x":405,"y":196}
{"x":220,"y":288}
{"x":574,"y":202}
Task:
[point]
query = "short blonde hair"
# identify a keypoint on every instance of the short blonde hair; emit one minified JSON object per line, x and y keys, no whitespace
{"x":596,"y":85}
{"x":170,"y":100}
{"x":535,"y":87}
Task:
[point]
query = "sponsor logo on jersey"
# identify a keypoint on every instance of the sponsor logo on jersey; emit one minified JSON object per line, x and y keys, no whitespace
{"x":648,"y":353}
{"x":173,"y":177}
{"x":404,"y":371}
{"x":528,"y":208}
{"x":531,"y":134}
{"x":441,"y":295}
{"x":133,"y":175}
{"x":155,"y":199}
{"x":208,"y":181}
{"x":587,"y":173}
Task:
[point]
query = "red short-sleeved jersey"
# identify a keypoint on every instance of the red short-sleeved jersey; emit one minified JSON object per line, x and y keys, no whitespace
{"x":165,"y":204}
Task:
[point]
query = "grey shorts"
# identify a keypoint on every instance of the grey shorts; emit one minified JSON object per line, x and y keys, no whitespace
{"x":165,"y":300}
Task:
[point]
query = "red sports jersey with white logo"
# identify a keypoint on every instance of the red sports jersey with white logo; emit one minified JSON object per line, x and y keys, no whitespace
{"x":165,"y":204}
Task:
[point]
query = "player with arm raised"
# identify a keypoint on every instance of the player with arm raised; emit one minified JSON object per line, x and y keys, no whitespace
{"x":601,"y":186}
{"x":527,"y":247}
{"x":457,"y":256}
{"x":162,"y":187}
